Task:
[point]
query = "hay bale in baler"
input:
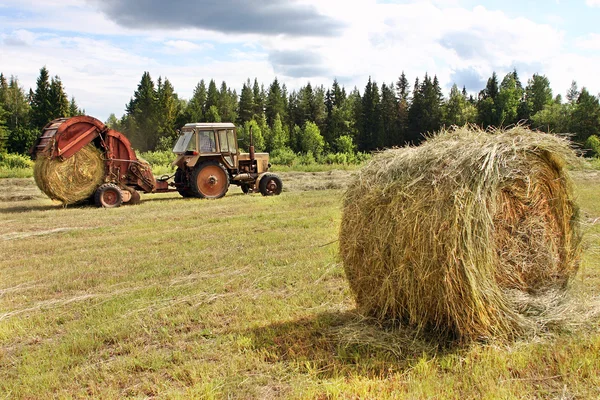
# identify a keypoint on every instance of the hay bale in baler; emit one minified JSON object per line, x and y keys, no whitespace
{"x":453,"y":236}
{"x":72,"y":180}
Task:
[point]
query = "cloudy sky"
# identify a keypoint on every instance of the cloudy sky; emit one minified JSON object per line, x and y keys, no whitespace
{"x":100,"y":48}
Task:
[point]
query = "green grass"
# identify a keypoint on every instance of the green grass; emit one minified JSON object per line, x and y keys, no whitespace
{"x":6,"y":172}
{"x":241,"y":297}
{"x":316,"y":168}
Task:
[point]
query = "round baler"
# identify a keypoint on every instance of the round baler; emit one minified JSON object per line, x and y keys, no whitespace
{"x":123,"y":175}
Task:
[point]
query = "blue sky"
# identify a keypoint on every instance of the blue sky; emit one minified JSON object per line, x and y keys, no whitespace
{"x":100,"y":48}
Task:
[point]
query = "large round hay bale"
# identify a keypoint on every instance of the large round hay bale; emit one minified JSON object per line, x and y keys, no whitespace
{"x":72,"y":180}
{"x":453,"y":235}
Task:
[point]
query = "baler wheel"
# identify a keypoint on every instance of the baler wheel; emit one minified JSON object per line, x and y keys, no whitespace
{"x":245,"y":188}
{"x":108,"y":195}
{"x":209,"y":180}
{"x":270,"y":185}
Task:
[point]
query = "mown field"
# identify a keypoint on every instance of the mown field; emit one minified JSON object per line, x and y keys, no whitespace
{"x":242,"y":297}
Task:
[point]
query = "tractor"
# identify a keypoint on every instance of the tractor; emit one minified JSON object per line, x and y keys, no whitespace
{"x":209,"y":160}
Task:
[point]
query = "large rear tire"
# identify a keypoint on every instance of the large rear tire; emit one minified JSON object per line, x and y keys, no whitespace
{"x":108,"y":196}
{"x":183,"y":190}
{"x":209,"y":180}
{"x":270,"y":185}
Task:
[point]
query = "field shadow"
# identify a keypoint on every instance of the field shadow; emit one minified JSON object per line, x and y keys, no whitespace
{"x":29,"y":208}
{"x":345,"y":344}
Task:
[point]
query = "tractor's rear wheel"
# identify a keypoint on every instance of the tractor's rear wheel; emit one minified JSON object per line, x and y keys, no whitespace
{"x":270,"y":185}
{"x":108,"y":196}
{"x":182,"y":185}
{"x":209,"y":180}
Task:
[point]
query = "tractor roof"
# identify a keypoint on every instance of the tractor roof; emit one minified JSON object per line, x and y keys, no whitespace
{"x":210,"y":125}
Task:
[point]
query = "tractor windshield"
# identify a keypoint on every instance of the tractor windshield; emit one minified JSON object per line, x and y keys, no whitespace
{"x":184,"y":141}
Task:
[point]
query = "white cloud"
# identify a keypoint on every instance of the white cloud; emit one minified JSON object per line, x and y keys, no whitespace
{"x":101,"y":62}
{"x":593,"y":3}
{"x":185,"y":46}
{"x":590,"y":41}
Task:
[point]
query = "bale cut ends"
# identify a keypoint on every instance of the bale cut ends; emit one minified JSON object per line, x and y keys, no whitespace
{"x":450,"y":236}
{"x":72,"y":180}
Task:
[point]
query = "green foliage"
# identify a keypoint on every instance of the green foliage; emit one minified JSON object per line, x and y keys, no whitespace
{"x":212,"y":115}
{"x":244,"y":136}
{"x":21,"y":139}
{"x":311,"y":140}
{"x":15,"y":161}
{"x":277,"y":139}
{"x":586,"y":116}
{"x":593,"y":145}
{"x":158,"y":158}
{"x":345,"y":144}
{"x":283,"y":156}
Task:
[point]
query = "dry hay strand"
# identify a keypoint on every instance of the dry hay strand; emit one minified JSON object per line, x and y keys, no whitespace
{"x":72,"y":180}
{"x":455,"y":236}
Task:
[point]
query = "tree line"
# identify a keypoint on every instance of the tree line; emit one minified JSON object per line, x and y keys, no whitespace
{"x":317,"y":119}
{"x":24,"y":114}
{"x":312,"y":119}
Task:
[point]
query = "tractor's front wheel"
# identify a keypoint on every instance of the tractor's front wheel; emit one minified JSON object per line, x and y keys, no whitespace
{"x":209,"y":180}
{"x":108,"y":196}
{"x":270,"y":185}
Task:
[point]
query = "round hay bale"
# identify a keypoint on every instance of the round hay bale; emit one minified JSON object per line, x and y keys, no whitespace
{"x":72,"y":180}
{"x":451,"y":236}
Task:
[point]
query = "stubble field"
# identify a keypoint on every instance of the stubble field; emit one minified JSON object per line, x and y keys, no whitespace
{"x":242,"y":297}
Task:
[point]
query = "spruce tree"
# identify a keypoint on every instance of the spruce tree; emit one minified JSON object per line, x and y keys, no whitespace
{"x":258,"y":93}
{"x":142,"y":124}
{"x":390,"y":117}
{"x":212,"y":96}
{"x":168,"y":109}
{"x":58,"y":99}
{"x":275,"y":104}
{"x":41,"y":103}
{"x":246,"y":105}
{"x":195,"y":107}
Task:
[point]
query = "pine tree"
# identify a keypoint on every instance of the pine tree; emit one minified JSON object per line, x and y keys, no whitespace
{"x":58,"y":99}
{"x":246,"y":105}
{"x":195,"y":107}
{"x":212,"y":96}
{"x":275,"y":103}
{"x":142,"y":124}
{"x":487,"y":108}
{"x":416,"y":115}
{"x":258,"y":93}
{"x":371,"y":131}
{"x":403,"y":93}
{"x":227,"y":104}
{"x":389,"y":117}
{"x":17,"y":106}
{"x":168,"y":109}
{"x":573,"y":93}
{"x":41,"y":103}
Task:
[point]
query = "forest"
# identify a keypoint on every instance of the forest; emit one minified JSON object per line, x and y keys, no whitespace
{"x":312,"y":120}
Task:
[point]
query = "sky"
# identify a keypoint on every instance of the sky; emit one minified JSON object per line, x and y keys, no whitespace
{"x":101,"y":48}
